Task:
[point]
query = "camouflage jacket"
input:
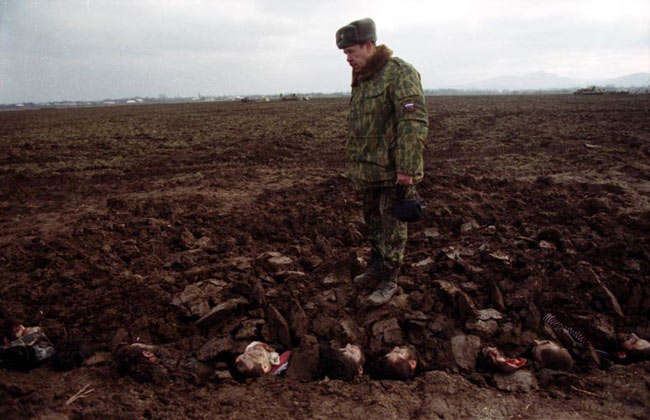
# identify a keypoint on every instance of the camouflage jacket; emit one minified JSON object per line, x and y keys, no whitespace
{"x":387,"y":122}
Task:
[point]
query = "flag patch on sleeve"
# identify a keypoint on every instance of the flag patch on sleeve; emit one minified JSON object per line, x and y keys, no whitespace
{"x":409,"y":107}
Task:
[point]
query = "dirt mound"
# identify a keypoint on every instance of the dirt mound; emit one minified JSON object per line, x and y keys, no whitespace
{"x":199,"y":228}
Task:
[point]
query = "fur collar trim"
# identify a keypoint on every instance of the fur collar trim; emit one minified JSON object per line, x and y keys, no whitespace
{"x":373,"y":66}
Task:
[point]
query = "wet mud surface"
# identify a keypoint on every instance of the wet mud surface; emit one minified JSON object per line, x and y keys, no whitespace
{"x":198,"y":228}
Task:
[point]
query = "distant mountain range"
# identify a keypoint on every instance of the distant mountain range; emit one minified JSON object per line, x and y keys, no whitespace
{"x":543,"y":80}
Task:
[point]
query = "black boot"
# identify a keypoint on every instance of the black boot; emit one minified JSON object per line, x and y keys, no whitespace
{"x":387,"y":287}
{"x":373,"y":272}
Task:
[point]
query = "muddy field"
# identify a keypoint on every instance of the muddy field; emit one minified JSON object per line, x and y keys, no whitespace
{"x":110,"y":217}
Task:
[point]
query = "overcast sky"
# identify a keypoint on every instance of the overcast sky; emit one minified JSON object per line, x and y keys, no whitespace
{"x":94,"y":49}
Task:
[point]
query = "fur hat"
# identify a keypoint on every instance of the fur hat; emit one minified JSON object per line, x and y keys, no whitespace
{"x":357,"y":32}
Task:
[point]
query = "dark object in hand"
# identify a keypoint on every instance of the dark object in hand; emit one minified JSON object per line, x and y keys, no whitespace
{"x":408,"y":209}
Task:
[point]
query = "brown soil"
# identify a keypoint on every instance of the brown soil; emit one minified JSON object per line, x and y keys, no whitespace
{"x":536,"y":204}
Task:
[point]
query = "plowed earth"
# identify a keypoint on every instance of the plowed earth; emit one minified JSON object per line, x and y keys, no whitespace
{"x":536,"y":204}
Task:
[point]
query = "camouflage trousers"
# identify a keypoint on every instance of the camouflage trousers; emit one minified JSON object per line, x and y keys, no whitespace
{"x":386,"y":234}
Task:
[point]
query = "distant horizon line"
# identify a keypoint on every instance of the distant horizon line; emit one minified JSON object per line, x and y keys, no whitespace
{"x":148,"y":100}
{"x":471,"y":87}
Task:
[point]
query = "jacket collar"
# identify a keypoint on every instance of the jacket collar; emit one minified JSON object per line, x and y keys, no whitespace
{"x":373,"y":66}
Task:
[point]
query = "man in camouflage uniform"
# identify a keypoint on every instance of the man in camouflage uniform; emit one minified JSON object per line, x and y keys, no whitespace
{"x":387,"y":126}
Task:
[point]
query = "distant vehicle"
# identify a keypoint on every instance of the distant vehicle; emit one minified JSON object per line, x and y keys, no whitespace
{"x":591,"y":90}
{"x":292,"y":97}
